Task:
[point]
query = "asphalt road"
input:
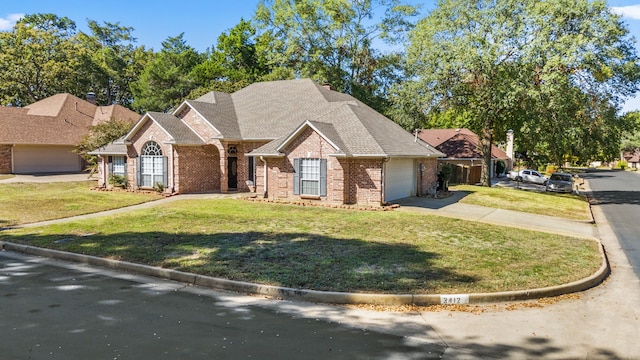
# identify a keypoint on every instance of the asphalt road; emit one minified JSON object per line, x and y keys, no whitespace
{"x":54,"y":310}
{"x":617,"y":193}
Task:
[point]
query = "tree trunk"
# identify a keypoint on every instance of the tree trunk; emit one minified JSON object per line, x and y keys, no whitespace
{"x":485,"y":148}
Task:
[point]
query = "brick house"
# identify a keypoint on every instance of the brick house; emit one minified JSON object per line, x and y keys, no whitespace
{"x":40,"y":138}
{"x":290,"y":139}
{"x":461,"y":149}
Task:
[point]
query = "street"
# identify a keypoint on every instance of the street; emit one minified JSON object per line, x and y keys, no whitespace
{"x":55,"y":310}
{"x":618,"y":194}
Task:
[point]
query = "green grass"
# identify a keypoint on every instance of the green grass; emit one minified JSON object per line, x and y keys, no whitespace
{"x":568,"y":206}
{"x":24,"y":203}
{"x":325,"y":249}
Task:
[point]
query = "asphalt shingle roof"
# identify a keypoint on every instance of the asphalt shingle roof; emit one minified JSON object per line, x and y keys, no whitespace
{"x":178,"y":130}
{"x":275,"y":109}
{"x":458,"y":143}
{"x":61,"y":119}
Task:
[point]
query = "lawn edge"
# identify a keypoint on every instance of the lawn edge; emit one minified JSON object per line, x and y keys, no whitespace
{"x":315,"y":296}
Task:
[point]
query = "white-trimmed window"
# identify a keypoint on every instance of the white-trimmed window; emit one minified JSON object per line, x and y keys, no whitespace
{"x":152,"y":167}
{"x":310,"y":177}
{"x":118,"y":165}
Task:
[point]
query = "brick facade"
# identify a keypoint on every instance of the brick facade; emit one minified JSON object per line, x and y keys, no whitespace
{"x":5,"y":159}
{"x":364,"y":181}
{"x":349,"y":181}
{"x":196,"y":169}
{"x":427,"y":175}
{"x":197,"y":123}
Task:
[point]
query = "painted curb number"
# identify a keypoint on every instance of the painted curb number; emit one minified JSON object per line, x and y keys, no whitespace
{"x":454,"y":299}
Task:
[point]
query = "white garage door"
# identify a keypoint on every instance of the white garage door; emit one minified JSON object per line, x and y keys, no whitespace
{"x":400,"y":179}
{"x":29,"y":159}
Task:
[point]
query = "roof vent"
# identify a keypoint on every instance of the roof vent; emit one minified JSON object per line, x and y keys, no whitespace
{"x":91,"y":97}
{"x":327,"y":86}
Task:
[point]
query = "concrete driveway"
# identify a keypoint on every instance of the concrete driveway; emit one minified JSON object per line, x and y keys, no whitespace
{"x":48,"y":178}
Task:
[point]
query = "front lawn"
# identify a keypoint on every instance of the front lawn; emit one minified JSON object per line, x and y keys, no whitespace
{"x":568,"y":206}
{"x":325,"y":249}
{"x":24,"y":203}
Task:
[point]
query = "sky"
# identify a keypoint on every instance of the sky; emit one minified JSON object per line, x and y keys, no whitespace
{"x":202,"y":21}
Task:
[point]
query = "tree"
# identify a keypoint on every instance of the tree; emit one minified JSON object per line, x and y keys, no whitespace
{"x":38,"y":58}
{"x":234,"y":63}
{"x":166,"y":80}
{"x":554,"y":71}
{"x":100,"y":135}
{"x":111,"y":62}
{"x":333,"y":41}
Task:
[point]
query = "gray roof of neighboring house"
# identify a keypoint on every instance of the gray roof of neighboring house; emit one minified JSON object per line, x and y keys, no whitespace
{"x":275,"y":110}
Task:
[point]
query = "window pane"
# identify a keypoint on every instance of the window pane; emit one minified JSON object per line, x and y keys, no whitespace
{"x":118,"y":165}
{"x":310,"y":187}
{"x":147,"y":180}
{"x":157,"y":165}
{"x":310,"y":176}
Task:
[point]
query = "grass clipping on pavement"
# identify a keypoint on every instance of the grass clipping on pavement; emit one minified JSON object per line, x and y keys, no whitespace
{"x":326,"y":249}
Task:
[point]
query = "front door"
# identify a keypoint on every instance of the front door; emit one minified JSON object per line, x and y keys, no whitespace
{"x":232,"y":172}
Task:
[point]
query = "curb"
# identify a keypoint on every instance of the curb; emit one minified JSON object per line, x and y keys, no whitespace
{"x":315,"y":296}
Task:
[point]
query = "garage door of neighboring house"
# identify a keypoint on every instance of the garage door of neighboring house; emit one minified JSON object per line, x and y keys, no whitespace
{"x":400,"y":179}
{"x":29,"y":159}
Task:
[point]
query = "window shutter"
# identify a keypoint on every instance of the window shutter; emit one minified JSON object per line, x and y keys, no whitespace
{"x":138,"y":162}
{"x":165,"y":171}
{"x":125,"y":166}
{"x":323,"y":177}
{"x":296,"y":176}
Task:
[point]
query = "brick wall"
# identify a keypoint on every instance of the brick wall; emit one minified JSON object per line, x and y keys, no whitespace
{"x":5,"y":159}
{"x":364,"y":181}
{"x":349,"y":181}
{"x":196,"y":169}
{"x":197,"y":123}
{"x":428,"y":175}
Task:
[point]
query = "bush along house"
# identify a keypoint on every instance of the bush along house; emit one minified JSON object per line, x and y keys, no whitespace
{"x":283,"y":140}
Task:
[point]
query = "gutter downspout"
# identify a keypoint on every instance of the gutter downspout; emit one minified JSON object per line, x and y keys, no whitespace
{"x":264,"y":195}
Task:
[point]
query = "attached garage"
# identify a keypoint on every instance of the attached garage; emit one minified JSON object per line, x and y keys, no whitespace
{"x":400,"y":179}
{"x":29,"y":159}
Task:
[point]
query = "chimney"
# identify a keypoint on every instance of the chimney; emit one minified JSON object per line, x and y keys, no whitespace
{"x":510,"y":147}
{"x":91,"y":97}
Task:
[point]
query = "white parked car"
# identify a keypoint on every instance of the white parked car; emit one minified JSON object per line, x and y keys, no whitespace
{"x":528,"y":175}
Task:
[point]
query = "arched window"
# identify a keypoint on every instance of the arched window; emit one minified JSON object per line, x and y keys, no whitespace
{"x":151,"y":148}
{"x":152,"y":165}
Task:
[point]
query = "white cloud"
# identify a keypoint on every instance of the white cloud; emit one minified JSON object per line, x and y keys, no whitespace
{"x":632,"y":11}
{"x":8,"y":22}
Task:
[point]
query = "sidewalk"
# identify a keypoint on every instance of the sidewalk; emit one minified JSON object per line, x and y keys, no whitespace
{"x":451,"y":207}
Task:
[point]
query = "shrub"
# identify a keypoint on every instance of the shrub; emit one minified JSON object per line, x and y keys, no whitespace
{"x":118,"y":180}
{"x":158,"y":187}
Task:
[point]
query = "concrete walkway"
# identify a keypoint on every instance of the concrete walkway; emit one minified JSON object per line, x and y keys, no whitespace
{"x":451,"y":207}
{"x":47,"y":178}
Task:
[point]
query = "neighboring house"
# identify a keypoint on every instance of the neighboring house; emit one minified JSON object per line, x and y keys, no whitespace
{"x":461,"y":148}
{"x":633,"y":159}
{"x":40,"y":138}
{"x":291,"y":139}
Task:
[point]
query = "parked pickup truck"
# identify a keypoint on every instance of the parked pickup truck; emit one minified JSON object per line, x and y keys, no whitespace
{"x":528,"y":175}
